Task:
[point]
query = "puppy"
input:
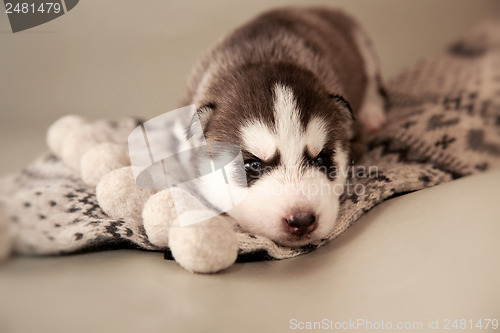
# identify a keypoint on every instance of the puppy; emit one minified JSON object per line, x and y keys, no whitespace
{"x":296,"y":89}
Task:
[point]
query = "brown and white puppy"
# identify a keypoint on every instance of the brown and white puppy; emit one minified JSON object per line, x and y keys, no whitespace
{"x":295,"y":89}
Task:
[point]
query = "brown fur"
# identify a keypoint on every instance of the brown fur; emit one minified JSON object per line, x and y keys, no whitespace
{"x":312,"y":50}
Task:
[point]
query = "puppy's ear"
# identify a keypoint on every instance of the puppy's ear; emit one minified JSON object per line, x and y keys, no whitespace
{"x":343,"y":105}
{"x":205,"y":113}
{"x":200,"y":120}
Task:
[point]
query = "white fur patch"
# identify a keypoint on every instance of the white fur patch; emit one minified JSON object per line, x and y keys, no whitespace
{"x":259,"y":140}
{"x":342,"y":163}
{"x":287,"y":136}
{"x":316,"y":136}
{"x":290,"y":137}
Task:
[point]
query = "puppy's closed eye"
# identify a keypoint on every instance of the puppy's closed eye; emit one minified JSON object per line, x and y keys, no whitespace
{"x":324,"y":162}
{"x":252,"y":165}
{"x":253,"y":168}
{"x":256,"y":168}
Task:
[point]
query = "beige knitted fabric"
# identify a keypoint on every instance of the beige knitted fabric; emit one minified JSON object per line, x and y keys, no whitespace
{"x":444,"y":123}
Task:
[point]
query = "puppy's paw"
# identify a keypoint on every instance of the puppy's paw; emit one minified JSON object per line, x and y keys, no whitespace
{"x":373,"y":118}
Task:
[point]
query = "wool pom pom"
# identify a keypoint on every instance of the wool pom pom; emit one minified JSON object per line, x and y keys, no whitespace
{"x":102,"y":159}
{"x":120,"y":197}
{"x":78,"y":142}
{"x":120,"y":129}
{"x":158,"y":216}
{"x":204,"y":247}
{"x":58,"y":131}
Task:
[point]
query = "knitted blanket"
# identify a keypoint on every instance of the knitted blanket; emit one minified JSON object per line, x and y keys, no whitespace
{"x":443,"y":124}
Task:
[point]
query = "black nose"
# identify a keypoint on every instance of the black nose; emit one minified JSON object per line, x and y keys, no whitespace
{"x":301,"y":224}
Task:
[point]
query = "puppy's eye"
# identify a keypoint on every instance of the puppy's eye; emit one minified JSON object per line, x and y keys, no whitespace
{"x":321,"y":160}
{"x":252,"y":165}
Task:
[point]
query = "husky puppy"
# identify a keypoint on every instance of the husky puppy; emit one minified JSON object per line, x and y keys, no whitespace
{"x":295,"y":89}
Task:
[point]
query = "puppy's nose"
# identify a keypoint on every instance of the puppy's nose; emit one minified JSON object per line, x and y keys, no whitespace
{"x":301,"y":224}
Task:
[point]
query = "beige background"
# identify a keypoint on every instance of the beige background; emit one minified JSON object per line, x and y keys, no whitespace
{"x":123,"y":57}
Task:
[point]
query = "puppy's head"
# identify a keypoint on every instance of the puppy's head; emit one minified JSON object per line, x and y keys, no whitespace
{"x":294,"y":138}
